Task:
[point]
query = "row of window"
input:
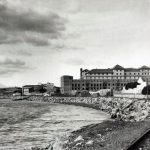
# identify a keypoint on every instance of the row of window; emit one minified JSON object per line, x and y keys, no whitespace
{"x":131,"y":73}
{"x":131,"y":77}
{"x":96,"y":86}
{"x":78,"y":85}
{"x":101,"y":81}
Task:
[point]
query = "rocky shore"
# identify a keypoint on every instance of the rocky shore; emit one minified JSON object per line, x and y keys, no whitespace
{"x":130,"y":120}
{"x":108,"y":135}
{"x":125,"y":109}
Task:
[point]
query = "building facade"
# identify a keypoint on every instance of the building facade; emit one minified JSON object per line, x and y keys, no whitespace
{"x":112,"y":78}
{"x":66,"y":84}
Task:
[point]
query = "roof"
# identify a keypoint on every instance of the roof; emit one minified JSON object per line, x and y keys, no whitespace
{"x":118,"y":67}
{"x":96,"y":71}
{"x":85,"y":70}
{"x":30,"y":86}
{"x":144,"y":67}
{"x":132,"y":69}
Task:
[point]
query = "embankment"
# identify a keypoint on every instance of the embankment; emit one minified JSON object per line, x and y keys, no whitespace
{"x":118,"y":134}
{"x":126,"y":109}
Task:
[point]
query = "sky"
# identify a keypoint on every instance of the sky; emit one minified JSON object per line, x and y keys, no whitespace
{"x":41,"y":40}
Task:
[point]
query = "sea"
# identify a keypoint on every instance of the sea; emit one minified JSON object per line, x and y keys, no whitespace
{"x":51,"y":128}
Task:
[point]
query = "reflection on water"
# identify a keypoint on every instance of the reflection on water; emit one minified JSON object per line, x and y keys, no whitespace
{"x":55,"y":124}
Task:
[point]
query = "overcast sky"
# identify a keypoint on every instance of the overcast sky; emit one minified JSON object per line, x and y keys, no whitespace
{"x":41,"y":40}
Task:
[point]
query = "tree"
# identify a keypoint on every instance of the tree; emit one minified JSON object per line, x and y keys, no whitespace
{"x":42,"y":90}
{"x":84,"y":93}
{"x":131,"y":85}
{"x":146,"y":90}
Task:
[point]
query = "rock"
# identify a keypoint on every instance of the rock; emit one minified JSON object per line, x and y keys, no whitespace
{"x":78,"y":144}
{"x":79,"y":138}
{"x":90,"y":142}
{"x":65,"y":142}
{"x":99,"y":135}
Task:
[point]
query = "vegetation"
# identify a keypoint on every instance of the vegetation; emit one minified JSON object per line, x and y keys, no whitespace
{"x":146,"y":90}
{"x":131,"y":85}
{"x":84,"y":93}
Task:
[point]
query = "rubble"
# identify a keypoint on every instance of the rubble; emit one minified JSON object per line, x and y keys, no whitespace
{"x":79,"y":138}
{"x":90,"y":142}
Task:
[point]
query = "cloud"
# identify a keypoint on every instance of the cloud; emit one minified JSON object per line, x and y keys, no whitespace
{"x":9,"y":66}
{"x":74,"y":62}
{"x":28,"y":26}
{"x":20,"y":52}
{"x":37,"y":41}
{"x":9,"y":62}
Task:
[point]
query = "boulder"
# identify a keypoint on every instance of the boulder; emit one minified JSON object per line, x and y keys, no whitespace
{"x":79,"y":138}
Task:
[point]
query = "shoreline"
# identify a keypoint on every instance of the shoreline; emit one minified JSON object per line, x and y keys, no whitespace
{"x":93,"y":106}
{"x":107,"y":135}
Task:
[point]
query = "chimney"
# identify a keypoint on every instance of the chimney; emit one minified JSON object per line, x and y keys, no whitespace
{"x":81,"y":73}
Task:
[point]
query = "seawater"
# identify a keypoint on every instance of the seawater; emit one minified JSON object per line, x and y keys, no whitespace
{"x":52,"y":127}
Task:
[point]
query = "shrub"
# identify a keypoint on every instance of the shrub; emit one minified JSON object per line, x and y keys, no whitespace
{"x":146,"y":90}
{"x":84,"y":94}
{"x":109,"y":93}
{"x":131,"y":85}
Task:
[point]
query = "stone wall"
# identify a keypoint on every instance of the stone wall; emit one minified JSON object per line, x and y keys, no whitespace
{"x":126,"y":109}
{"x":131,"y":95}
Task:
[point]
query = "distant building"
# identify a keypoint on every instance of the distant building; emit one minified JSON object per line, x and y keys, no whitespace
{"x":29,"y":89}
{"x":33,"y":89}
{"x":48,"y":88}
{"x":66,"y":84}
{"x":57,"y":90}
{"x":112,"y":78}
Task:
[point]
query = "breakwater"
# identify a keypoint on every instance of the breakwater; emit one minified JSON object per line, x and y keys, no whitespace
{"x":126,"y":109}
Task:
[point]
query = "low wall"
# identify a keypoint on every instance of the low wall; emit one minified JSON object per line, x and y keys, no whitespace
{"x":132,"y":95}
{"x":126,"y":109}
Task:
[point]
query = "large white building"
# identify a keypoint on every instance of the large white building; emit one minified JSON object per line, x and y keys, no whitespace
{"x":112,"y":78}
